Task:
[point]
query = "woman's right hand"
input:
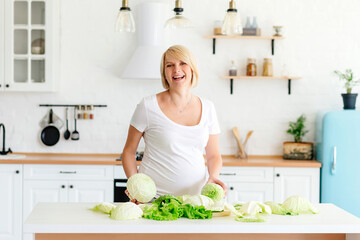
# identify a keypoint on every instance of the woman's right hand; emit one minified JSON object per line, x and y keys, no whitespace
{"x":133,"y":200}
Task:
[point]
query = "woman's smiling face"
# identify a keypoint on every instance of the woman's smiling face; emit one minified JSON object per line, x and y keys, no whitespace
{"x":177,"y":72}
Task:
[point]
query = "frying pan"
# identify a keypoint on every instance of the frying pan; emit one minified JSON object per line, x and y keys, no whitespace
{"x":50,"y":135}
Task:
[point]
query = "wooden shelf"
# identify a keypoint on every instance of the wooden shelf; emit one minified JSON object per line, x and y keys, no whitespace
{"x":244,"y":37}
{"x":272,"y":38}
{"x":260,"y":77}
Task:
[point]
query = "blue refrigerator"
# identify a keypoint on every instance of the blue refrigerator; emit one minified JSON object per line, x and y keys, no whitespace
{"x":338,"y":149}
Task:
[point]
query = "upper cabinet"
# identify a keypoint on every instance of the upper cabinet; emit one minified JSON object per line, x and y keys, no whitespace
{"x":31,"y":41}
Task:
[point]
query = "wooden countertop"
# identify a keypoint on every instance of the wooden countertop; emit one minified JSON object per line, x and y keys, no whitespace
{"x":110,"y":159}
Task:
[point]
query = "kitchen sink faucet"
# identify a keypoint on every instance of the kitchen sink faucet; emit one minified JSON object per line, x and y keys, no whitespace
{"x":3,"y":152}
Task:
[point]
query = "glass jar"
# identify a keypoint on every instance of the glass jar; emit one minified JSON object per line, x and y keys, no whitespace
{"x":251,"y":67}
{"x":267,"y":67}
{"x":217,"y":27}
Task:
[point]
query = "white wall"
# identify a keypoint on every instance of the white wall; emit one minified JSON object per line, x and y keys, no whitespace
{"x":321,"y":36}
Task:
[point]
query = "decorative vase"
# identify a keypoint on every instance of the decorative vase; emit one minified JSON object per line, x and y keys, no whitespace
{"x":349,"y":100}
{"x":298,"y":151}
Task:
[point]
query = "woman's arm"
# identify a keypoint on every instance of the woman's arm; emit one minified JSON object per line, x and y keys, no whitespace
{"x":214,"y":161}
{"x":128,"y":156}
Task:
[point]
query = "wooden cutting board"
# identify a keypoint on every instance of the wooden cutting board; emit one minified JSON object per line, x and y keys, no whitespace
{"x":222,"y":214}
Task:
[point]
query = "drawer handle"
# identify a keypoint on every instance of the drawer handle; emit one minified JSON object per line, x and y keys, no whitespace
{"x":278,"y":174}
{"x":62,"y":186}
{"x":228,"y":174}
{"x":71,"y":186}
{"x":17,"y":171}
{"x":67,"y":172}
{"x":231,"y":188}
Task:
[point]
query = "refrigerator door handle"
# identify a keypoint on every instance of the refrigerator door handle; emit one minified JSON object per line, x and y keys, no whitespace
{"x":333,"y":170}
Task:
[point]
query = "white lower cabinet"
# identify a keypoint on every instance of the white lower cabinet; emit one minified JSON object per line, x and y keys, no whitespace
{"x":10,"y":201}
{"x":246,"y":192}
{"x":66,"y":183}
{"x":290,"y":181}
{"x":270,"y":183}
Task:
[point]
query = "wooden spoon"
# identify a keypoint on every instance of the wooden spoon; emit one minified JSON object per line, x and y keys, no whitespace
{"x":247,"y":137}
{"x":241,"y":147}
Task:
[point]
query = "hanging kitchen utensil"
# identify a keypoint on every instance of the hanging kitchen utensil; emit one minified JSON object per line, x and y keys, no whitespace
{"x":57,"y":122}
{"x":75,"y":134}
{"x":242,"y":153}
{"x":67,"y":132}
{"x":50,"y":135}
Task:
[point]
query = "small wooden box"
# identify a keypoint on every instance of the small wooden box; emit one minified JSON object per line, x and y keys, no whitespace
{"x":251,"y":32}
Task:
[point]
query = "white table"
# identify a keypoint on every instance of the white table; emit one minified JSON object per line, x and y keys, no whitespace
{"x":52,"y":221}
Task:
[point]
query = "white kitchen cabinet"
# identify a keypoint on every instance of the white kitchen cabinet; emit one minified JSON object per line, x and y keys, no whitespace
{"x":11,"y":202}
{"x":296,"y":181}
{"x":245,"y":192}
{"x":270,"y":183}
{"x":65,"y":191}
{"x":248,"y":183}
{"x":31,"y":45}
{"x":66,"y":183}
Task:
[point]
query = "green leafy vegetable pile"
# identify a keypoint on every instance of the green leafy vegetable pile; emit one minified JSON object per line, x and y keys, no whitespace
{"x":167,"y":208}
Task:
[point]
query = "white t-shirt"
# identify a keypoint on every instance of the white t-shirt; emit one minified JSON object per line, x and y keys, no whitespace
{"x":173,"y":155}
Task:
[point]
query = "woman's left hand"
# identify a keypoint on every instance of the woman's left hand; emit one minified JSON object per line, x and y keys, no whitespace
{"x":219,"y":182}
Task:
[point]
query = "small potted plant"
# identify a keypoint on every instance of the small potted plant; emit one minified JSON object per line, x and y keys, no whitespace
{"x":298,"y":149}
{"x":349,"y":82}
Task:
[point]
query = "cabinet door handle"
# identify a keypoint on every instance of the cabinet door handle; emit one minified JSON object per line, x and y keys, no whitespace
{"x":231,"y":188}
{"x":17,"y":171}
{"x":278,"y":174}
{"x":7,"y":85}
{"x":68,"y":172}
{"x":228,"y":174}
{"x":62,"y":186}
{"x":71,"y":186}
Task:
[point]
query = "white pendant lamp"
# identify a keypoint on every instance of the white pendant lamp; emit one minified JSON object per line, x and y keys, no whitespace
{"x":178,"y":21}
{"x":125,"y":20}
{"x":232,"y":23}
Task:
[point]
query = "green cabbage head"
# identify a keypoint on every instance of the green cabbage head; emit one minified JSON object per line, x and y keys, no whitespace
{"x":213,"y":191}
{"x":141,"y":187}
{"x":126,"y":211}
{"x":297,"y":204}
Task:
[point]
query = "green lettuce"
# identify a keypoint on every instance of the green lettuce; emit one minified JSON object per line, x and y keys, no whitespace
{"x":168,"y":208}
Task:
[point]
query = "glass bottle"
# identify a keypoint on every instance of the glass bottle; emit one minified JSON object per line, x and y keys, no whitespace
{"x":248,"y":24}
{"x":254,"y":23}
{"x":79,"y":114}
{"x":233,"y":69}
{"x":85,"y":114}
{"x":251,"y":67}
{"x":91,"y":114}
{"x":267,"y":67}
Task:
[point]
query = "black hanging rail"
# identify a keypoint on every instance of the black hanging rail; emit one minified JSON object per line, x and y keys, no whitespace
{"x":69,"y":105}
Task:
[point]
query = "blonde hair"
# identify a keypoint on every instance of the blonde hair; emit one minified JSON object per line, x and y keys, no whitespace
{"x":183,"y":54}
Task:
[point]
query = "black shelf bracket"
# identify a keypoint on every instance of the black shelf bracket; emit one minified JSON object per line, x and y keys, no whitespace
{"x":289,"y":86}
{"x":272,"y":46}
{"x":214,"y":45}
